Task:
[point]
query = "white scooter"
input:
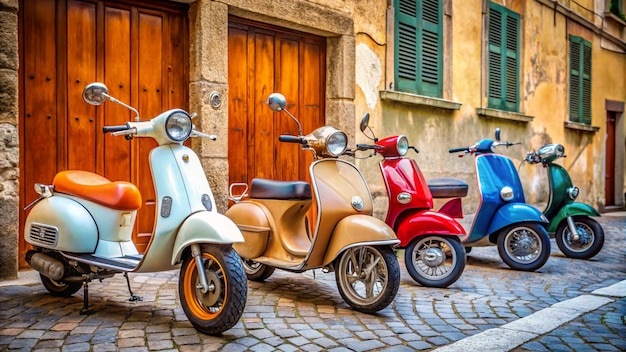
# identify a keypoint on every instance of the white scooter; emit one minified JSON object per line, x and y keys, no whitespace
{"x":81,"y":226}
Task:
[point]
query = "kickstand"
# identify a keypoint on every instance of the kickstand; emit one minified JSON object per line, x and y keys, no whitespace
{"x":132,"y":298}
{"x":86,"y":310}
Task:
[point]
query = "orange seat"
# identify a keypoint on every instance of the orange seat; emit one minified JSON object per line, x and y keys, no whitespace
{"x":118,"y":195}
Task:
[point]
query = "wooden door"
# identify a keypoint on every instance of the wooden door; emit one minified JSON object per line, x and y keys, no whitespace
{"x":265,"y":59}
{"x":609,"y":180}
{"x":138,"y":49}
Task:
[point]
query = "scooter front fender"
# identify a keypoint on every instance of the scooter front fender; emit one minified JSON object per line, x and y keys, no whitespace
{"x":205,"y":227}
{"x":571,"y":209}
{"x":358,"y":230}
{"x":427,"y":222}
{"x":513,"y":213}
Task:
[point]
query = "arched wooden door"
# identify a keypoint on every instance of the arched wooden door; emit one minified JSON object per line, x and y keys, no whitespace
{"x":263,"y":59}
{"x":137,"y":48}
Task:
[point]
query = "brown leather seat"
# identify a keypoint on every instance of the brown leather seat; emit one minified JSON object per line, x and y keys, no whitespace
{"x":118,"y":195}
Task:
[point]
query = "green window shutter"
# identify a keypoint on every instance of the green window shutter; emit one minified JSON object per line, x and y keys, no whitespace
{"x":418,"y":47}
{"x":580,"y":80}
{"x":503,"y":60}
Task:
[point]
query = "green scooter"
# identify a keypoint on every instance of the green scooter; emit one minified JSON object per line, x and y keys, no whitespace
{"x":577,"y":235}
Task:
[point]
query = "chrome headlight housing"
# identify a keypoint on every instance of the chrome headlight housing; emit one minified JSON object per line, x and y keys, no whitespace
{"x":336,"y":143}
{"x":178,"y":126}
{"x":573,"y":192}
{"x":402,"y":145}
{"x":507,"y":194}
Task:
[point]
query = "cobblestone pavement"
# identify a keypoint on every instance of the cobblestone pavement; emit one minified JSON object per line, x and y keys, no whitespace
{"x":304,"y":312}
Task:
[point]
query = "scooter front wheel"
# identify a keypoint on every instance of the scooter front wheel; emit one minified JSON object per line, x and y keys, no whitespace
{"x":524,"y":247}
{"x":257,"y":271}
{"x":219,"y":308}
{"x":587,"y":244}
{"x":435,"y":261}
{"x":367,"y":277}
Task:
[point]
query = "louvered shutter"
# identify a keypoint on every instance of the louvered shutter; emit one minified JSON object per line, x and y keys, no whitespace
{"x":418,"y":53}
{"x":503,"y":60}
{"x":580,"y":80}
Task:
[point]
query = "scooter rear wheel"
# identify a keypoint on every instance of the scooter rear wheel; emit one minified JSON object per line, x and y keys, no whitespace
{"x":435,"y":261}
{"x":524,"y":247}
{"x":367,"y":277}
{"x":257,"y":271}
{"x":58,"y":288}
{"x":220,"y":308}
{"x":589,"y":243}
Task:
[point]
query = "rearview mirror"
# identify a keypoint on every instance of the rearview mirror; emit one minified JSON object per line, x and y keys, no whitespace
{"x":497,"y":134}
{"x":277,"y":102}
{"x":95,"y":93}
{"x":365,"y":120}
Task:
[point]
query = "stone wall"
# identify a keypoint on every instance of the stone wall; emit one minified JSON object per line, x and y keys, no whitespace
{"x":9,"y":140}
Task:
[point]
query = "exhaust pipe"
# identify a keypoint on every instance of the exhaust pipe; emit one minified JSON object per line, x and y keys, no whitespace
{"x":46,"y":265}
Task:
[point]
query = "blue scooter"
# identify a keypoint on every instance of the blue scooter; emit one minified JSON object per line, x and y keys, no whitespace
{"x":503,"y":217}
{"x":577,"y":235}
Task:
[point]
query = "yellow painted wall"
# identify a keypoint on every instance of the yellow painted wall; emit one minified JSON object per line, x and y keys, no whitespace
{"x":544,"y":95}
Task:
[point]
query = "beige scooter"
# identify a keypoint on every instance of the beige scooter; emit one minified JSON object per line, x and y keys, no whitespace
{"x":347,"y":239}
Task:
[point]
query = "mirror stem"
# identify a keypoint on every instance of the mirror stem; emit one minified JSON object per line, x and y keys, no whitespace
{"x":295,"y":119}
{"x":124,"y":105}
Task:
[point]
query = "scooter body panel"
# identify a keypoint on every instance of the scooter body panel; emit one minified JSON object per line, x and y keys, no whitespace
{"x":205,"y":227}
{"x":339,"y":188}
{"x":493,"y":172}
{"x":514,"y":213}
{"x":426,"y":222}
{"x":180,"y":192}
{"x":406,"y":187}
{"x":60,"y":223}
{"x":570,"y":209}
{"x":358,"y":230}
{"x":559,"y":182}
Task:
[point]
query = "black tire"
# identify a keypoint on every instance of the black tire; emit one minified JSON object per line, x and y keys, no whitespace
{"x":365,"y":288}
{"x":524,"y":247}
{"x":221,"y":307}
{"x":435,"y":261}
{"x":589,"y":243}
{"x":60,"y":288}
{"x":257,"y":271}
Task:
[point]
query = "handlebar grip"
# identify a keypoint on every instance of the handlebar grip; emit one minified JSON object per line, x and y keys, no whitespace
{"x":456,"y":150}
{"x":107,"y":129}
{"x":290,"y":139}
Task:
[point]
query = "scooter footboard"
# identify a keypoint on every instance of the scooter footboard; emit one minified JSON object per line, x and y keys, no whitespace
{"x":205,"y":227}
{"x":358,"y":230}
{"x":512,"y":213}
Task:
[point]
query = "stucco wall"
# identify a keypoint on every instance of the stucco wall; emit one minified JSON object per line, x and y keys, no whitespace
{"x":9,"y":148}
{"x":544,"y":85}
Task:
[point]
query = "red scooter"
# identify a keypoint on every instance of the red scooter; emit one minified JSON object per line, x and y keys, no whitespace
{"x":434,"y":254}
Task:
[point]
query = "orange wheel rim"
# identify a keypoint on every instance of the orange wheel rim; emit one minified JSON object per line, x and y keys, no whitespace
{"x":194,"y":296}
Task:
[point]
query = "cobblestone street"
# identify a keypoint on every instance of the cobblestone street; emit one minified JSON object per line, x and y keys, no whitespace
{"x":304,"y":312}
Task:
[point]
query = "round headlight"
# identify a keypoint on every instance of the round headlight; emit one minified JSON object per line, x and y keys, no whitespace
{"x":178,"y":126}
{"x":402,"y":145}
{"x":572,"y":192}
{"x":336,"y":143}
{"x":507,"y":194}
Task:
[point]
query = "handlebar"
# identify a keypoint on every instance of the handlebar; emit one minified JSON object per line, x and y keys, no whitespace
{"x":458,"y":150}
{"x":118,"y":128}
{"x":291,"y":139}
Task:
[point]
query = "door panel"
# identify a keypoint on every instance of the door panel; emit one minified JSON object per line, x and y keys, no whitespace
{"x":81,"y":69}
{"x":271,"y":59}
{"x":609,"y":181}
{"x":139,"y":50}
